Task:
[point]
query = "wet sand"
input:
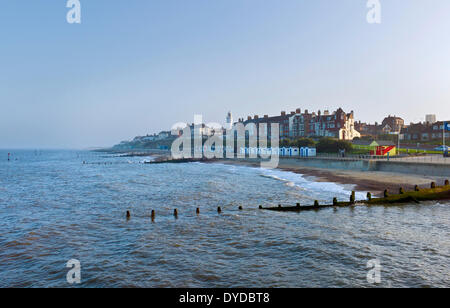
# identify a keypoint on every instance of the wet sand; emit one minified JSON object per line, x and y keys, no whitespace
{"x":373,"y":181}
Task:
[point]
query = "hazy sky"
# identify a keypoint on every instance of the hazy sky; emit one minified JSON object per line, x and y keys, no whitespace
{"x":138,"y":66}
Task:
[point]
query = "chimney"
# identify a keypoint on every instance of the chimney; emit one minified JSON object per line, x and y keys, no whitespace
{"x":298,"y":111}
{"x":283,"y":113}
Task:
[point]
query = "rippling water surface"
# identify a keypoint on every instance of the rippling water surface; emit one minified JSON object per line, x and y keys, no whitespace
{"x":54,"y":208}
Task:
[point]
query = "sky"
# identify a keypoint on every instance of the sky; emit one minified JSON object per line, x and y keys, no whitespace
{"x":137,"y":67}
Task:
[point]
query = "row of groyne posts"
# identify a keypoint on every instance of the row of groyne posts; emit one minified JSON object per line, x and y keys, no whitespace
{"x":316,"y":205}
{"x":175,"y":212}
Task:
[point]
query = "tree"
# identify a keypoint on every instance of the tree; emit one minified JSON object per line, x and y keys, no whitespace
{"x":303,"y":142}
{"x":330,"y":145}
{"x":285,"y":143}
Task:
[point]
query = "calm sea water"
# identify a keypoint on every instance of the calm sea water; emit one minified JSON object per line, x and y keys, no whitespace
{"x":54,"y":208}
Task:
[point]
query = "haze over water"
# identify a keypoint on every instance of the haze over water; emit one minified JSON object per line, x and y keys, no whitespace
{"x":55,"y":208}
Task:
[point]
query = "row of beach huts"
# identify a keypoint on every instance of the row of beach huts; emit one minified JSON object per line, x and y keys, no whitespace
{"x":265,"y":152}
{"x":282,"y":152}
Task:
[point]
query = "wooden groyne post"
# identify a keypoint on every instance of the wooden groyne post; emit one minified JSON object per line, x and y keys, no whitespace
{"x":353,"y":197}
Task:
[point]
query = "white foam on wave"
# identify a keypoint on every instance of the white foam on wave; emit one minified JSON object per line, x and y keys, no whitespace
{"x":322,"y":188}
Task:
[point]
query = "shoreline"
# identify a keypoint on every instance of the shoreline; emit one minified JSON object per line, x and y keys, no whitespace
{"x":371,"y":181}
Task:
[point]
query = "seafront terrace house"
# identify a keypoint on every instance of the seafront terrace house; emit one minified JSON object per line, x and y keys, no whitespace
{"x":416,"y":132}
{"x":338,"y":124}
{"x":390,"y":125}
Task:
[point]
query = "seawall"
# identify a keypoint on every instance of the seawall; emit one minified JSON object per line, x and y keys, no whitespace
{"x":416,"y":168}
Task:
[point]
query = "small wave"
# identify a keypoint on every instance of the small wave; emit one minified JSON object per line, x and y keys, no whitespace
{"x":298,"y":180}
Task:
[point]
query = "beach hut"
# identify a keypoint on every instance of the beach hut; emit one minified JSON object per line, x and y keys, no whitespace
{"x":308,"y":152}
{"x":229,"y":150}
{"x":275,"y":151}
{"x":303,"y":152}
{"x":312,"y":152}
{"x":383,"y":148}
{"x":293,"y":152}
{"x":244,"y":151}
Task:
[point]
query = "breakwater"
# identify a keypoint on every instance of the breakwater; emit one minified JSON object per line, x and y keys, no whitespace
{"x":434,"y":193}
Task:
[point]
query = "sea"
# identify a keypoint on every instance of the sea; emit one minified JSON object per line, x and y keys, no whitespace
{"x":61,"y":205}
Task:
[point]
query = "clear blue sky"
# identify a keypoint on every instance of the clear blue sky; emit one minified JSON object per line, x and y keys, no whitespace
{"x":136,"y":67}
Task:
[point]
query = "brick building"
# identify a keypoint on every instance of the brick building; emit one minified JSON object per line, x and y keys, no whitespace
{"x":393,"y":124}
{"x":424,"y":132}
{"x":390,"y":125}
{"x":338,"y":124}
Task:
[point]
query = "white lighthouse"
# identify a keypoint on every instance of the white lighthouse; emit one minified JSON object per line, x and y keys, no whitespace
{"x":229,"y":120}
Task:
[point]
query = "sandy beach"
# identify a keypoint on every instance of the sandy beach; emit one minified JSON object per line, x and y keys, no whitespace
{"x":373,"y":181}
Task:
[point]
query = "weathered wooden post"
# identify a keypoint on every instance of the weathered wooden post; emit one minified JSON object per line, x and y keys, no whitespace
{"x":219,"y":210}
{"x":335,"y":201}
{"x":369,"y":196}
{"x":197,"y":211}
{"x":128,"y":215}
{"x":353,"y":197}
{"x":175,"y":213}
{"x":153,"y":215}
